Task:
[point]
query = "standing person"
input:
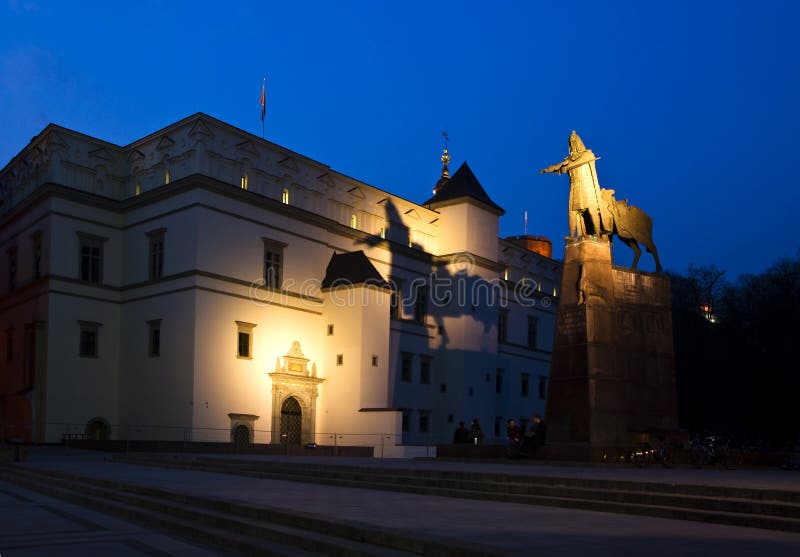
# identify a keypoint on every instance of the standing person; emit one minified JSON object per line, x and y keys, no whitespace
{"x":475,"y":432}
{"x":539,"y":431}
{"x":513,"y":439}
{"x":461,"y":435}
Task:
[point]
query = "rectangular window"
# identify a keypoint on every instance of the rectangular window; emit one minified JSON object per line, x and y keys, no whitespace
{"x":405,"y":366}
{"x":502,"y":326}
{"x":330,"y":329}
{"x":374,"y":361}
{"x":424,"y":421}
{"x":285,"y":197}
{"x":425,"y":370}
{"x":396,"y":300}
{"x":12,"y":268}
{"x":273,"y":263}
{"x":244,"y":181}
{"x":533,"y":326}
{"x":156,"y":258}
{"x":88,"y":346}
{"x":406,"y":420}
{"x":421,"y":304}
{"x":498,"y":381}
{"x":244,"y":340}
{"x":29,"y":356}
{"x":339,"y":359}
{"x":498,"y":425}
{"x":154,"y":338}
{"x":525,"y":385}
{"x":91,"y":257}
{"x":244,"y":345}
{"x":443,"y":388}
{"x":37,"y":255}
{"x":542,"y":387}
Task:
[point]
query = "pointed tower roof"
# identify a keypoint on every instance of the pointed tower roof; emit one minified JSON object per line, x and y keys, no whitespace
{"x":350,"y":269}
{"x":463,"y":184}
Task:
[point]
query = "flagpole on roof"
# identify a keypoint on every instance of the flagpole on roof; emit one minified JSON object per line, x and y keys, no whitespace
{"x":263,"y":104}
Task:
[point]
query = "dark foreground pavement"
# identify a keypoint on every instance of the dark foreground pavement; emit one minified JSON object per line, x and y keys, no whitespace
{"x":33,"y":525}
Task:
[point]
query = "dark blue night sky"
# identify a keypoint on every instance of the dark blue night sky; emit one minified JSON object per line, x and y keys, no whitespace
{"x":692,"y":106}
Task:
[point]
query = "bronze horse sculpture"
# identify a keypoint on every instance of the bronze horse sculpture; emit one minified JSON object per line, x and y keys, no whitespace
{"x":632,"y":225}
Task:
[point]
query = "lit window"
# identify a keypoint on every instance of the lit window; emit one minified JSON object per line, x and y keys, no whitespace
{"x":154,"y":338}
{"x":138,"y":189}
{"x":353,"y":221}
{"x":91,"y":257}
{"x":285,"y":197}
{"x":244,"y":181}
{"x":166,"y":177}
{"x":505,"y":274}
{"x":382,"y":232}
{"x":244,"y":340}
{"x":156,"y":256}
{"x":89,"y":339}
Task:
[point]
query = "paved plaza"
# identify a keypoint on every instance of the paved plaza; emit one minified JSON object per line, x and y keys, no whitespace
{"x":31,"y":524}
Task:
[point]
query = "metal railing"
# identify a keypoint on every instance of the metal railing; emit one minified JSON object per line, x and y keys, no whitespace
{"x":161,"y":437}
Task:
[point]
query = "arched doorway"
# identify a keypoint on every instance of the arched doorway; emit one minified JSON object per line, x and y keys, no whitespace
{"x":98,"y":430}
{"x":241,"y":436}
{"x":291,"y":421}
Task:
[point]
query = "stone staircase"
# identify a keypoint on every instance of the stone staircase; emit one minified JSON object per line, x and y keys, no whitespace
{"x":738,"y":506}
{"x":233,"y":527}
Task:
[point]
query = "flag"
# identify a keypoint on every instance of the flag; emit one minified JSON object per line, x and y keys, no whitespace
{"x":263,"y":99}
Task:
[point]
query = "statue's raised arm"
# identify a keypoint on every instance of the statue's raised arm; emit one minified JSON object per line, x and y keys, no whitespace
{"x":558,"y":168}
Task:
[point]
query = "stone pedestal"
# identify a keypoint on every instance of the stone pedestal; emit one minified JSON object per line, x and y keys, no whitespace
{"x":613,"y":373}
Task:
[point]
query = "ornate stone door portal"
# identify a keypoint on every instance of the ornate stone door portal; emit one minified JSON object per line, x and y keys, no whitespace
{"x":294,"y":398}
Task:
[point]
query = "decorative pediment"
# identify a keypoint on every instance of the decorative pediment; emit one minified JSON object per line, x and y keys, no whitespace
{"x":289,"y":163}
{"x":55,"y":140}
{"x":248,"y":147}
{"x":102,"y":153}
{"x":135,"y":155}
{"x":327,"y":180}
{"x":295,"y":362}
{"x":165,"y":143}
{"x":412,"y":213}
{"x":357,"y":192}
{"x":200,"y":128}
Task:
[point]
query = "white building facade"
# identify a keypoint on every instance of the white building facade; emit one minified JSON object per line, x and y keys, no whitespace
{"x":202,"y":283}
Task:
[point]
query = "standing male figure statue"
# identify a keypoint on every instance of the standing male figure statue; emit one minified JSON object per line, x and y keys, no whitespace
{"x":584,"y":189}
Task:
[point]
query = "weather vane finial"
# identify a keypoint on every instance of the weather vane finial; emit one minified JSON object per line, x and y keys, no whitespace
{"x":445,"y":157}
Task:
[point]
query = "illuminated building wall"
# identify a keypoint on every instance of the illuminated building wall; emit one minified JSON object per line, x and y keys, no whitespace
{"x":152,"y":312}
